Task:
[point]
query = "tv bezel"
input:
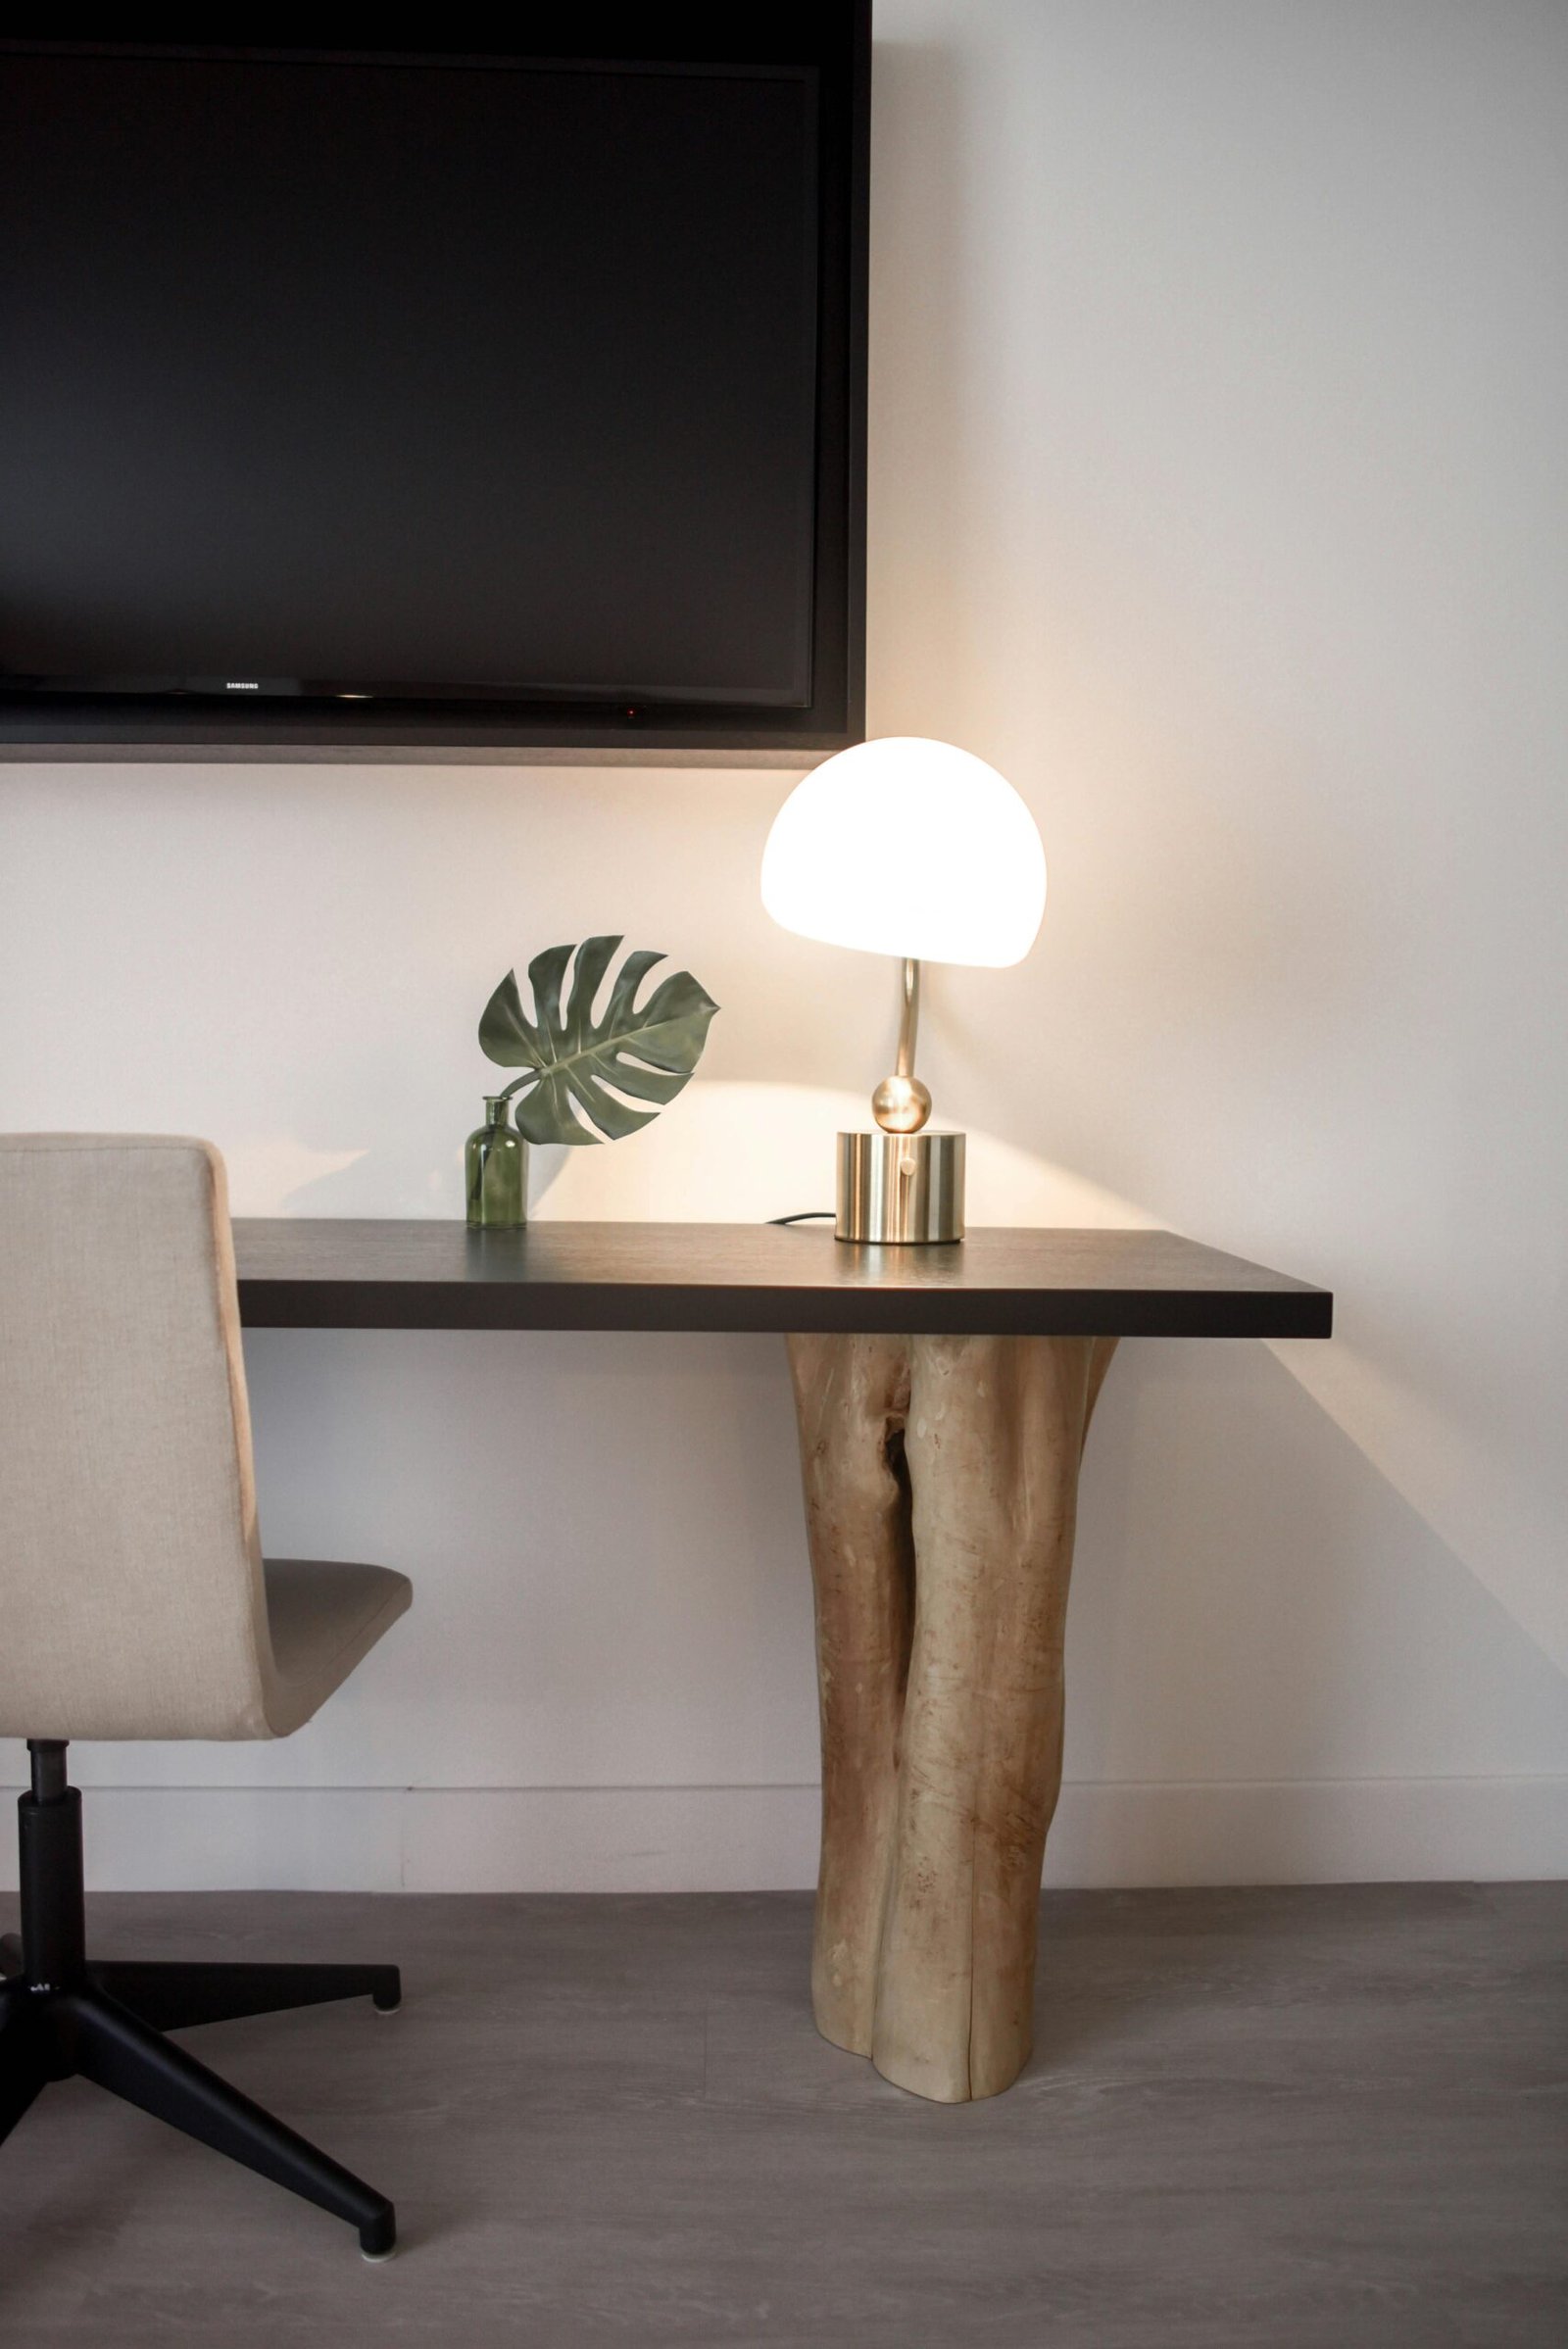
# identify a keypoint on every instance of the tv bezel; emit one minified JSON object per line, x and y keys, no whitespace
{"x":833,"y":37}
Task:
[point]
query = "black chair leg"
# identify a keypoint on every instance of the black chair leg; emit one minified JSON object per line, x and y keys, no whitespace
{"x":174,"y":1997}
{"x":111,"y":2047}
{"x":61,"y":2014}
{"x":26,"y":2058}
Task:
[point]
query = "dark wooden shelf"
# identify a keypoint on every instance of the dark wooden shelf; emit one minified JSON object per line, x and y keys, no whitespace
{"x":388,"y":1275}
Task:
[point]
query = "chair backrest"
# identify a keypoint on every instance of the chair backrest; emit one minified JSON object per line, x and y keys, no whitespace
{"x":133,"y":1602}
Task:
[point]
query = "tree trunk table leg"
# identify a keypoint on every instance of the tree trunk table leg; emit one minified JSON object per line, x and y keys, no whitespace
{"x":851,"y":1396}
{"x":941,"y":1471}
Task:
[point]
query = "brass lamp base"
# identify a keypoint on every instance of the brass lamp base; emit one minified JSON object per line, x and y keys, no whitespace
{"x":900,"y":1189}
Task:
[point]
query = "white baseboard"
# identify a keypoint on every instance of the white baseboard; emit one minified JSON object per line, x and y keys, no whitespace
{"x":764,"y":1839}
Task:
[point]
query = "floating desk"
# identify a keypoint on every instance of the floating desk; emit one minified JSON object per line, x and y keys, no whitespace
{"x":942,"y":1396}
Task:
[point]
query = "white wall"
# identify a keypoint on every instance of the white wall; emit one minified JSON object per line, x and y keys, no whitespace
{"x":1217,"y":495}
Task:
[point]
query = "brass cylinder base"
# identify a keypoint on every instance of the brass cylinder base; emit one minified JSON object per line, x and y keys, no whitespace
{"x":900,"y":1189}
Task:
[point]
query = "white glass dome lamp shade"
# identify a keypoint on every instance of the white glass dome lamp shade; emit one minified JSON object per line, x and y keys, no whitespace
{"x":909,"y":848}
{"x":914,"y":849}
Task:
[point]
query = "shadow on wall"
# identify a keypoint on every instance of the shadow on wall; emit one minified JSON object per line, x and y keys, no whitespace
{"x":1253,"y":1606}
{"x":1253,"y":1601}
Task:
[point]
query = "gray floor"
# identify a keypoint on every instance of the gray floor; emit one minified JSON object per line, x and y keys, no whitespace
{"x":1314,"y":2118}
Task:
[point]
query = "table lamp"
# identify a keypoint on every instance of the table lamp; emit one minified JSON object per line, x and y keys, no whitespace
{"x":912,"y":849}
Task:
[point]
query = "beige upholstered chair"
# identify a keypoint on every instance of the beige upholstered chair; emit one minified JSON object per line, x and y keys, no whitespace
{"x":134,"y":1603}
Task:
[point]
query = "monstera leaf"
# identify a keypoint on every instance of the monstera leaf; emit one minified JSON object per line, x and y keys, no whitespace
{"x":568,"y":1057}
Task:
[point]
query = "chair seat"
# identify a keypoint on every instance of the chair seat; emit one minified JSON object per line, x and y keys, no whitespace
{"x":324,"y":1617}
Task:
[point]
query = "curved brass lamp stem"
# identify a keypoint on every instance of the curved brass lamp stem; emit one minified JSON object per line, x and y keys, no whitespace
{"x":910,"y":1022}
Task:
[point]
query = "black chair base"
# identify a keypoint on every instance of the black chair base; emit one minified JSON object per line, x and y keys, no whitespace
{"x":63,"y":2015}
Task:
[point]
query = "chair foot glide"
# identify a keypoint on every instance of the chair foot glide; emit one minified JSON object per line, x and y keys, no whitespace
{"x":379,"y":2240}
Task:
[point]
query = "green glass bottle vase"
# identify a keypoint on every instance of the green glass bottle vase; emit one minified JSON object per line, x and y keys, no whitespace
{"x":496,"y":1170}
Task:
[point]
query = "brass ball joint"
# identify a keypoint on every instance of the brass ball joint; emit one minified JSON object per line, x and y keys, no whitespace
{"x":900,"y":1105}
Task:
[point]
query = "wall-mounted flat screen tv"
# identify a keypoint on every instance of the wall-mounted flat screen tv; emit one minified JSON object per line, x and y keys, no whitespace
{"x":436,"y":397}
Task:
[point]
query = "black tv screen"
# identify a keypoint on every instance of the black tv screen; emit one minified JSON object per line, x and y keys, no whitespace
{"x":398,"y":385}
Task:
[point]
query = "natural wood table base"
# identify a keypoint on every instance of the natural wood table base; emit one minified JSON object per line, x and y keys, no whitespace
{"x":941,"y":1492}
